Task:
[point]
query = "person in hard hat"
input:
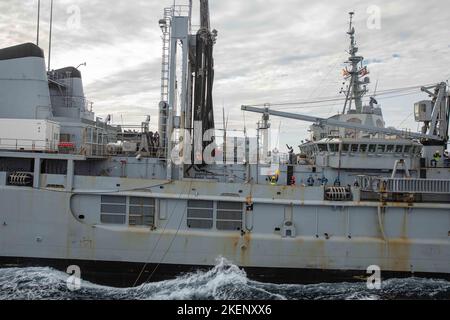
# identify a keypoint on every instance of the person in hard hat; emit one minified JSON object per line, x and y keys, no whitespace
{"x":274,"y":178}
{"x":436,"y":158}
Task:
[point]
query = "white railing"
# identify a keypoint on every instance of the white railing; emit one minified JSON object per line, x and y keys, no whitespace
{"x":28,"y":145}
{"x":404,"y":185}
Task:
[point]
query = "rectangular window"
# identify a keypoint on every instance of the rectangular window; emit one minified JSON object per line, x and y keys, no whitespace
{"x":390,"y":148}
{"x":417,"y":150}
{"x":355,"y":147}
{"x":323,"y":147}
{"x":345,"y":147}
{"x":407,"y":149}
{"x":372,"y":148}
{"x":334,"y":147}
{"x":398,"y":149}
{"x":381,"y":148}
{"x":113,"y":210}
{"x":142,"y":212}
{"x":229,"y":216}
{"x":363,"y":148}
{"x":200,"y":214}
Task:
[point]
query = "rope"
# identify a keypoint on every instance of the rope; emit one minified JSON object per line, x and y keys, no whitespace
{"x":338,"y":98}
{"x":108,"y":192}
{"x":159,"y":239}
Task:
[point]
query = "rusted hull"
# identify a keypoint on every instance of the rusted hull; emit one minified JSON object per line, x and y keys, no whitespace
{"x":339,"y":239}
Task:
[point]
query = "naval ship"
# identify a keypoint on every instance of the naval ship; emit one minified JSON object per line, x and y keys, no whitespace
{"x":143,"y":203}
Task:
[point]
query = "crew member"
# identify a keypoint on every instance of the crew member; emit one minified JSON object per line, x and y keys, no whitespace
{"x":293,"y":181}
{"x":310,"y":181}
{"x":274,"y":178}
{"x":436,"y":158}
{"x":446,"y":159}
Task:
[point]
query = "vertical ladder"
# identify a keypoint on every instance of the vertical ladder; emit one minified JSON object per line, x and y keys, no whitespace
{"x":165,"y":79}
{"x":165,"y":67}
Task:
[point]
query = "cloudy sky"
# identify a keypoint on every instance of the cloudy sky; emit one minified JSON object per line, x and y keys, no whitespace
{"x":268,"y":51}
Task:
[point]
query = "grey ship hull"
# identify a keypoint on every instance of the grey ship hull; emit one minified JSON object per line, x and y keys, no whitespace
{"x":334,"y":241}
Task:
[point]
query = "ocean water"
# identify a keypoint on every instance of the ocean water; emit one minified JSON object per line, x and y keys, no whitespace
{"x":224,"y":282}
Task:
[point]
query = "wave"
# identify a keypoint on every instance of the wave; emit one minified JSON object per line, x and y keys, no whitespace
{"x":224,"y":282}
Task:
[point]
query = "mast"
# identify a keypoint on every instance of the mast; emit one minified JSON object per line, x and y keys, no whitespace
{"x":50,"y":36}
{"x":38,"y":22}
{"x":355,"y":74}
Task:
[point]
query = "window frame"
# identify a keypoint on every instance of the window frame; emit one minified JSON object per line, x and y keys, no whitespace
{"x":143,"y":215}
{"x":212,"y":209}
{"x":241,"y":211}
{"x":104,"y":203}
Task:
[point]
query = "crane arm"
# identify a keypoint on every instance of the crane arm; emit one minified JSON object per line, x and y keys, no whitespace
{"x":341,"y":124}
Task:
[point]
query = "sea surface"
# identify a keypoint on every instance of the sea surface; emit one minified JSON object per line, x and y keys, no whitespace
{"x":225,"y":282}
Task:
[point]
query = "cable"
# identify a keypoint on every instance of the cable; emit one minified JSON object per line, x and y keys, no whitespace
{"x":171,"y":242}
{"x":335,"y":104}
{"x":338,"y":98}
{"x":406,"y":119}
{"x":159,"y":239}
{"x":106,"y":192}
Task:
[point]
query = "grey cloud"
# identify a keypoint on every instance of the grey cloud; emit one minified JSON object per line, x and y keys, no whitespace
{"x":267,"y":51}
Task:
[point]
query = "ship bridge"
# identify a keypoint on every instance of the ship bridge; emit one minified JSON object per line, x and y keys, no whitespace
{"x":347,"y":153}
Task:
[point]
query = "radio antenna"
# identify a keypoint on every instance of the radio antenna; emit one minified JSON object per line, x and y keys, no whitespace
{"x":38,"y":22}
{"x":50,"y":36}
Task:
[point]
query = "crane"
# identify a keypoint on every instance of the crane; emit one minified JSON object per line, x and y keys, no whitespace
{"x":204,"y":70}
{"x":204,"y":14}
{"x":331,"y":122}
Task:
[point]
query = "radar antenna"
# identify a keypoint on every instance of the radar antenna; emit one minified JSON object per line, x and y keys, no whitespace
{"x":355,"y":73}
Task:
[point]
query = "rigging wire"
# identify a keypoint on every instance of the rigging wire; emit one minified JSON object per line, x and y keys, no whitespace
{"x":105,"y":191}
{"x":339,"y":98}
{"x":306,"y":106}
{"x":159,"y":239}
{"x":404,"y":120}
{"x":173,"y":239}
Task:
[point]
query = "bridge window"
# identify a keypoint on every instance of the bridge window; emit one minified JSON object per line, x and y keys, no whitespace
{"x":200,"y":214}
{"x":399,"y":149}
{"x":142,"y":212}
{"x":345,"y":147}
{"x":355,"y":147}
{"x":363,"y":148}
{"x":390,"y":149}
{"x":407,"y":149}
{"x":417,"y":150}
{"x":381,"y":148}
{"x":334,"y":147}
{"x":113,"y":210}
{"x":323,"y":147}
{"x":229,"y":216}
{"x":372,"y":148}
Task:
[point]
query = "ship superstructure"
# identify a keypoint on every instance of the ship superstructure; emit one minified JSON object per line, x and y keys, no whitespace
{"x":132,"y":204}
